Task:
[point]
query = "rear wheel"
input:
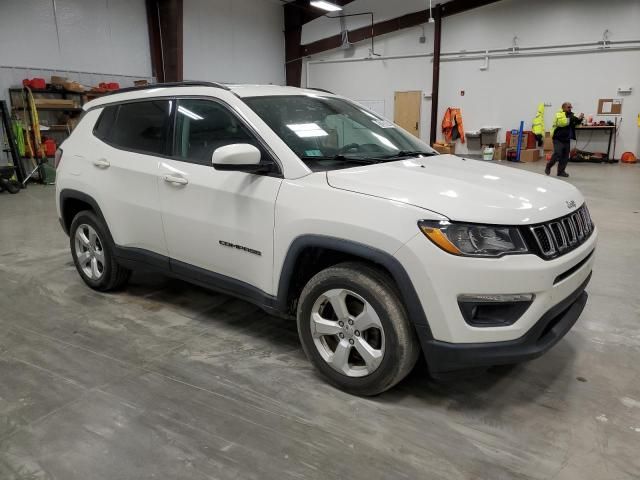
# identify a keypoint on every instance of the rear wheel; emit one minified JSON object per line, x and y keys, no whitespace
{"x":354,"y":329}
{"x":93,"y":255}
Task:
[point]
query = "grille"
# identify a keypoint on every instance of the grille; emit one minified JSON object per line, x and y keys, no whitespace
{"x":563,"y":234}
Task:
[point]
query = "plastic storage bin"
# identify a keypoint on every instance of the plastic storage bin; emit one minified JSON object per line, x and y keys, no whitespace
{"x":473,"y":140}
{"x":489,"y":135}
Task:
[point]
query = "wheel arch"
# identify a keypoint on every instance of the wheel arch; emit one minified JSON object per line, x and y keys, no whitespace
{"x":72,"y":202}
{"x":351,"y":250}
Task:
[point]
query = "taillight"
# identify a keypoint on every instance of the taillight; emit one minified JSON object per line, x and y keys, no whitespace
{"x":58,"y":158}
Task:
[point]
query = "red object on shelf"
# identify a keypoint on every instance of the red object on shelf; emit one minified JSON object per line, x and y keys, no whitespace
{"x":109,"y":85}
{"x":50,"y":147}
{"x":35,"y":83}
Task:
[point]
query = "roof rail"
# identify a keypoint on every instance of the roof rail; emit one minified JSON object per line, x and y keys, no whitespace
{"x":321,"y":90}
{"x":171,"y":84}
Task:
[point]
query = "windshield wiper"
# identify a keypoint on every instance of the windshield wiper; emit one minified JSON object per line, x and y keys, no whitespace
{"x":342,"y":158}
{"x":407,"y":153}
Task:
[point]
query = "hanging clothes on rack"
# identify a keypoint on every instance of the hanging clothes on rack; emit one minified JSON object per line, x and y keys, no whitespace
{"x":452,"y":126}
{"x":538,"y":125}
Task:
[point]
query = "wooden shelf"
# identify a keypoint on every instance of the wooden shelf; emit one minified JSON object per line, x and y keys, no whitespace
{"x":60,"y":109}
{"x":53,"y":128}
{"x":51,"y":91}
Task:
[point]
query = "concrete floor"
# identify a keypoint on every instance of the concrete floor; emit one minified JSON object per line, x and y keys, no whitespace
{"x":169,"y":381}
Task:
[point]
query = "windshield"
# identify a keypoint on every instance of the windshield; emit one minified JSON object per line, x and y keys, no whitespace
{"x":328,"y":133}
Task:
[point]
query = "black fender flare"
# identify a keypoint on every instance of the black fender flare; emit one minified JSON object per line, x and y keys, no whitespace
{"x":409,"y":296}
{"x":70,"y":194}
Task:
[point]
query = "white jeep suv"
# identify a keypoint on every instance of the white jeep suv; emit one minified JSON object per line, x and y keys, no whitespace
{"x":309,"y":205}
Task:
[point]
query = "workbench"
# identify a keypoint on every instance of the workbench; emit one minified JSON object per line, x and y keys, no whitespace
{"x":611,"y":129}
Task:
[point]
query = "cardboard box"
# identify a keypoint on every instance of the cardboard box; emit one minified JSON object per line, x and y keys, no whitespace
{"x":530,"y":155}
{"x":73,"y":87}
{"x":528,"y":140}
{"x":56,"y":80}
{"x":500,"y":152}
{"x":445,"y":148}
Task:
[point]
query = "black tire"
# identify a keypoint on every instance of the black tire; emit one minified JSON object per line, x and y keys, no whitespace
{"x":12,"y":187}
{"x":113,"y":276}
{"x":401,"y":348}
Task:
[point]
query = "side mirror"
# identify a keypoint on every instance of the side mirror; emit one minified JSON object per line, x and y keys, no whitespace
{"x":241,"y":157}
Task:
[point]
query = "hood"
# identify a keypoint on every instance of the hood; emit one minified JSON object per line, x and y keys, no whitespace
{"x":464,"y":190}
{"x":541,"y":109}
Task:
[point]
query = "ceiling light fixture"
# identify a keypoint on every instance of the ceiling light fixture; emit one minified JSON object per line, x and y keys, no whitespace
{"x":328,"y":6}
{"x":431,"y":20}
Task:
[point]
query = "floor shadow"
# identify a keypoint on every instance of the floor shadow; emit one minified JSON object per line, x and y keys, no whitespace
{"x":471,"y":388}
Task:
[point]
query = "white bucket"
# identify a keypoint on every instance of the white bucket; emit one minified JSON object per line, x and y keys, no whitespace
{"x":487,"y":153}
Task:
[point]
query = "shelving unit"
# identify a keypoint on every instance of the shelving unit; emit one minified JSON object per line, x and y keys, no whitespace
{"x":53,"y":116}
{"x":56,"y":121}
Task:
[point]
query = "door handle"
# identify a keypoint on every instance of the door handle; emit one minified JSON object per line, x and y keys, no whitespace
{"x":175,"y":180}
{"x":102,"y":163}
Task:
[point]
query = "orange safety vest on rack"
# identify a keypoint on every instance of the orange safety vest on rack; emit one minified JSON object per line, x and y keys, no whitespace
{"x":452,"y":125}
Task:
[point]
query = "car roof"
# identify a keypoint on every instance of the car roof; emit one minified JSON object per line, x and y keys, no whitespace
{"x":247,"y":90}
{"x":199,"y":89}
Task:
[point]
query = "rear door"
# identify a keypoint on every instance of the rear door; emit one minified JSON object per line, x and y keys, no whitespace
{"x":220,"y":221}
{"x":132,"y":137}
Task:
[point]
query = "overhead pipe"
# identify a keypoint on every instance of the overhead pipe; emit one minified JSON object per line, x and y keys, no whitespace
{"x":539,"y":53}
{"x":461,"y":54}
{"x":627,"y":45}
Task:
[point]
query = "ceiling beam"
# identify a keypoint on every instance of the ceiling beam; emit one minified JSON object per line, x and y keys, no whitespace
{"x":296,"y":14}
{"x":460,"y":6}
{"x":388,"y":26}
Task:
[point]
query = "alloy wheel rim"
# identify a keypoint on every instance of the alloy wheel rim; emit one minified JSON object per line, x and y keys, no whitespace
{"x":89,"y":252}
{"x":347,"y":332}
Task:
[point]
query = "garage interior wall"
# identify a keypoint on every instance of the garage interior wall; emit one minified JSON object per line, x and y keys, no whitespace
{"x":89,"y":41}
{"x":233,"y":41}
{"x":510,"y":88}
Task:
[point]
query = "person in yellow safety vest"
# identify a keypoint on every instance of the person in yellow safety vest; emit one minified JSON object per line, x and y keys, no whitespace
{"x":538,"y":125}
{"x":562,"y":132}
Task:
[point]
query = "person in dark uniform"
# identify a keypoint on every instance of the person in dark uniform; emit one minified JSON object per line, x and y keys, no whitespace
{"x":562,"y":132}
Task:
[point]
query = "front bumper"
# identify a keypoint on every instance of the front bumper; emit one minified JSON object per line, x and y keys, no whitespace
{"x":440,"y":279}
{"x":445,"y":357}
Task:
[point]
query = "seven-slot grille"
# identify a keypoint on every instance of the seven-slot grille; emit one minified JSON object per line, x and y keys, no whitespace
{"x":563,"y":234}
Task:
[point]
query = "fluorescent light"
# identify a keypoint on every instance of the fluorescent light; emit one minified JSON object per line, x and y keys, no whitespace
{"x":189,"y":113}
{"x":307,"y":130}
{"x":328,"y":6}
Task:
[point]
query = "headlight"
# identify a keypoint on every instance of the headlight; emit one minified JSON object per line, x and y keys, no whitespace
{"x":474,"y":240}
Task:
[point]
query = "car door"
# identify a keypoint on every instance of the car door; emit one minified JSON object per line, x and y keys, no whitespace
{"x":219,"y":221}
{"x":124,"y":163}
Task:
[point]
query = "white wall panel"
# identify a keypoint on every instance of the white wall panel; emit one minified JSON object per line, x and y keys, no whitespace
{"x":101,"y":36}
{"x":237,"y":41}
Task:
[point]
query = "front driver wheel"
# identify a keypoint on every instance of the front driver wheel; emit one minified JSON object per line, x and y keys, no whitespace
{"x":92,"y":253}
{"x":354,"y":329}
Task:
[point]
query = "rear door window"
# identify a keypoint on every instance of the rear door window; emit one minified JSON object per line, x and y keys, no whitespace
{"x":140,"y":126}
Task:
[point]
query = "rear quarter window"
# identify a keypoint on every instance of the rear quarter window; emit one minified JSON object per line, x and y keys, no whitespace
{"x":137,"y":126}
{"x":105,"y":122}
